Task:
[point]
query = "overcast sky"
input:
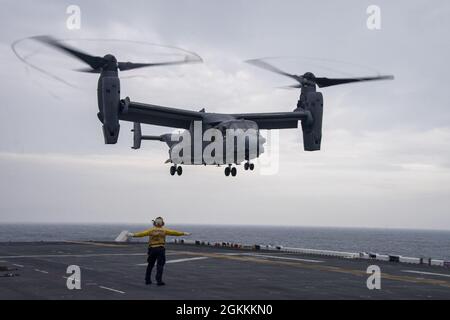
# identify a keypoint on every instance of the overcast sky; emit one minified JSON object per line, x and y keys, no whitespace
{"x":385,"y":159}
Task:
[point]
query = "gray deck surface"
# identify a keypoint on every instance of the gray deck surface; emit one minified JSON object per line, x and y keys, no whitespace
{"x":116,"y":271}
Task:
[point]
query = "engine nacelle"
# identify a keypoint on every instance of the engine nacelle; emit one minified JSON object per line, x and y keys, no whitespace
{"x":110,"y":108}
{"x":312,"y":128}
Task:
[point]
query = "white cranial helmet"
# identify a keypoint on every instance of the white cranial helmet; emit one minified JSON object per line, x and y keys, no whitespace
{"x":158,"y":222}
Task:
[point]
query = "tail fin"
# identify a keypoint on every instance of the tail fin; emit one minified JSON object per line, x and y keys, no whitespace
{"x":138,"y":137}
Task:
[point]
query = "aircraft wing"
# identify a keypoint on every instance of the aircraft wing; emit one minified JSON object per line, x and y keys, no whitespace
{"x":274,"y":120}
{"x":182,"y":119}
{"x":159,"y":115}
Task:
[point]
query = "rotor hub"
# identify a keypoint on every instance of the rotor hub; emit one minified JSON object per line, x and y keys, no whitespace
{"x":110,"y":57}
{"x":309,"y":76}
{"x":111,"y":63}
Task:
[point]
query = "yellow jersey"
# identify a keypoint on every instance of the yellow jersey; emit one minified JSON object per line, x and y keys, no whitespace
{"x":157,"y":236}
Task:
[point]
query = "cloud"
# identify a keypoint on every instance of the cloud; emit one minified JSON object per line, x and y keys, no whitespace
{"x":385,"y":150}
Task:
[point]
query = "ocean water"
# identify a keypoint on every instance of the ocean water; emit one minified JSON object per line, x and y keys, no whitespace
{"x":416,"y":243}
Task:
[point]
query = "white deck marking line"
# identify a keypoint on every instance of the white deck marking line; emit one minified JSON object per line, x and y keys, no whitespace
{"x":111,"y":289}
{"x":179,"y":260}
{"x":276,"y":257}
{"x":18,"y":265}
{"x":186,"y":259}
{"x":427,"y":273}
{"x":88,"y":268}
{"x":41,"y":271}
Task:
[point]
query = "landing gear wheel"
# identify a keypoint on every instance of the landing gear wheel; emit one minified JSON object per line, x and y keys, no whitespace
{"x":252,"y":166}
{"x":246,"y":166}
{"x":173,"y":169}
{"x":227,"y":171}
{"x":233,"y":171}
{"x":180,"y":171}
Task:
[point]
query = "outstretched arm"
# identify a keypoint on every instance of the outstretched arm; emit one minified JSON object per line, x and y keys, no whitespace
{"x":139,"y":234}
{"x":176,"y":233}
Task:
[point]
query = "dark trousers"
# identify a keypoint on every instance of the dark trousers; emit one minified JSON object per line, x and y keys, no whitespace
{"x":157,"y":255}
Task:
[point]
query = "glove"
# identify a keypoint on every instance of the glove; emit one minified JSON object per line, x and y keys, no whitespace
{"x":130,"y":235}
{"x":187,"y":234}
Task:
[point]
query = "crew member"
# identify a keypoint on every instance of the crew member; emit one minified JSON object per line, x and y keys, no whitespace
{"x":156,"y":248}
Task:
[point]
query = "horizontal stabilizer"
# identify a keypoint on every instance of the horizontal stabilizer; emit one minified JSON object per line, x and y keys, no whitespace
{"x":138,"y":137}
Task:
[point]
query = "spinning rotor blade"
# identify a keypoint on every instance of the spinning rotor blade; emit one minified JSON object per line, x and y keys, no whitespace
{"x":123,"y":66}
{"x":264,"y":65}
{"x":93,"y":61}
{"x":88,"y":70}
{"x":97,"y":63}
{"x":294,"y":86}
{"x":321,"y":82}
{"x":328,"y":82}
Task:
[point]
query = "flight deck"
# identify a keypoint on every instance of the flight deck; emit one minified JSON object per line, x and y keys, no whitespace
{"x":38,"y":270}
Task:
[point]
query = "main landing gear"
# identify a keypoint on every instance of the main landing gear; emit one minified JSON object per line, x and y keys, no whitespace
{"x":249,"y":166}
{"x":176,"y":169}
{"x":230,"y":170}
